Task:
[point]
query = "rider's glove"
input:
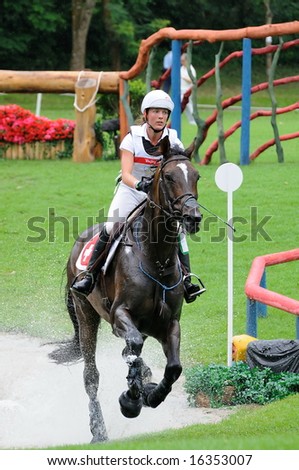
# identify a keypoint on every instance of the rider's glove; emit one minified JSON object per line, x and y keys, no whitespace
{"x":145,"y":184}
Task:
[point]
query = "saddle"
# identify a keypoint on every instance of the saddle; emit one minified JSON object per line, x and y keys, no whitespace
{"x":117,"y":235}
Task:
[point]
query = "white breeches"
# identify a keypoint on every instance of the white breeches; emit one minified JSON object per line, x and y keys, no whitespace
{"x":124,"y":201}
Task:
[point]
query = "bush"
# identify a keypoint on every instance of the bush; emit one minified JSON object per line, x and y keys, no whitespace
{"x":245,"y":385}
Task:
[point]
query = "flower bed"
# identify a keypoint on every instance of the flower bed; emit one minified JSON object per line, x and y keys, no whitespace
{"x":26,"y":136}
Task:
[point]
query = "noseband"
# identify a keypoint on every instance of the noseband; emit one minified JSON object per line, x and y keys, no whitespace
{"x":189,"y":197}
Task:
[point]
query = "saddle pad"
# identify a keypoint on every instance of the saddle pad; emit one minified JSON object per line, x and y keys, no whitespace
{"x":85,"y":255}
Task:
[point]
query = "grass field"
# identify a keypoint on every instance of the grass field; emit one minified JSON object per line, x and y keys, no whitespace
{"x":46,"y":203}
{"x":249,"y":428}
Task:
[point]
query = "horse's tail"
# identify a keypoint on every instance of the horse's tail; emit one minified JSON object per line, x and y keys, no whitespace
{"x":68,"y":351}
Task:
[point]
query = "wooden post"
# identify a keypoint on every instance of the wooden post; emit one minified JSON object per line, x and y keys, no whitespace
{"x":84,"y":134}
{"x":124,"y":125}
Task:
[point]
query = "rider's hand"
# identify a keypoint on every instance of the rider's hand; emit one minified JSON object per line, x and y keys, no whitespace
{"x":145,"y":184}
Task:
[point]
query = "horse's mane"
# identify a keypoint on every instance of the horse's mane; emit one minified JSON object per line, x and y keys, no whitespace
{"x":168,"y":150}
{"x":176,"y":150}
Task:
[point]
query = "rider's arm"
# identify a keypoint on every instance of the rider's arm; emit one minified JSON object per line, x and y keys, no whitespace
{"x":127,"y":161}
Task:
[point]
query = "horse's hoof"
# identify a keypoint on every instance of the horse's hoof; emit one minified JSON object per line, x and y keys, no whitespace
{"x":130,"y":407}
{"x":147,"y":389}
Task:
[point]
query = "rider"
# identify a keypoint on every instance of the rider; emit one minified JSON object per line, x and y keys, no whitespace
{"x":138,"y":165}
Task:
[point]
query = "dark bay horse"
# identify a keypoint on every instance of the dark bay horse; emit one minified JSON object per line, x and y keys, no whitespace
{"x":141,"y":294}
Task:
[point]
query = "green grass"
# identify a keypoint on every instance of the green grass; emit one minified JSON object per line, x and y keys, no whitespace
{"x":260,"y":132}
{"x":284,"y":94}
{"x":32,"y":279}
{"x":32,"y":267}
{"x":250,"y":427}
{"x":52,"y":105}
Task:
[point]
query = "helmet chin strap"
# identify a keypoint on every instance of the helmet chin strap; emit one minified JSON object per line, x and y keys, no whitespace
{"x":156,"y":131}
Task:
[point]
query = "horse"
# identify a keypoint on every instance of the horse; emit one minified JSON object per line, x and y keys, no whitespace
{"x":141,"y":293}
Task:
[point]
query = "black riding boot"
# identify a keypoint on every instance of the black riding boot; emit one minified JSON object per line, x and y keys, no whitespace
{"x":86,"y":284}
{"x":191,"y":291}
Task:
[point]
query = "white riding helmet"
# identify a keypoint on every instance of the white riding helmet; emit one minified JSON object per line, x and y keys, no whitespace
{"x":157,"y":99}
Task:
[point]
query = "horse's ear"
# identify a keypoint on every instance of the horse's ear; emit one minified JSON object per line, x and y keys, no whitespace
{"x":164,"y":146}
{"x":189,"y":151}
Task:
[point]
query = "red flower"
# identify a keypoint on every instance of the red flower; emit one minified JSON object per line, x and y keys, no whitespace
{"x":20,"y":126}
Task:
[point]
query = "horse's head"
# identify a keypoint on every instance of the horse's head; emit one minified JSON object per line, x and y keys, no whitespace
{"x":177,"y":182}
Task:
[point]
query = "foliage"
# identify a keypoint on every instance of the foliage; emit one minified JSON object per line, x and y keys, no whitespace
{"x":107,"y":104}
{"x":20,"y":126}
{"x":255,"y":385}
{"x":68,"y":150}
{"x":107,"y":108}
{"x":98,"y":131}
{"x":137,"y":90}
{"x":34,"y":32}
{"x":106,"y":139}
{"x":117,"y":28}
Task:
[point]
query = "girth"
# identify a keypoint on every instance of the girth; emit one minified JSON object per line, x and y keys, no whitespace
{"x":154,"y":267}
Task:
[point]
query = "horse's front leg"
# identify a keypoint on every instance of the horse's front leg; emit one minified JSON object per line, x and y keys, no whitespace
{"x":88,"y":327}
{"x":146,"y":373}
{"x":131,"y":400}
{"x":154,"y":394}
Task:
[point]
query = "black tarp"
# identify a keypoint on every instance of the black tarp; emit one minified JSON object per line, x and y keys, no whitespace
{"x":280,"y":355}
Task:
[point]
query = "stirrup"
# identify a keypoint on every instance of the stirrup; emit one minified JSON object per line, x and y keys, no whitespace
{"x":194,"y":292}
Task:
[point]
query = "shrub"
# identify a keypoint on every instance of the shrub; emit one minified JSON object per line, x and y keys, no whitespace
{"x":247,"y":385}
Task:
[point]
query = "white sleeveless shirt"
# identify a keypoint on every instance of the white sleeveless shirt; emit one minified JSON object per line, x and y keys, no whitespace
{"x":145,"y":164}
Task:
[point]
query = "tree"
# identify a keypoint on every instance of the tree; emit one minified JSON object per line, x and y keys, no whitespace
{"x":126,"y":23}
{"x":32,"y":33}
{"x":82,"y":11}
{"x":106,"y":34}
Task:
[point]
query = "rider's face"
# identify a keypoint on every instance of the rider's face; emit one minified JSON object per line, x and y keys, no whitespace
{"x":157,"y":117}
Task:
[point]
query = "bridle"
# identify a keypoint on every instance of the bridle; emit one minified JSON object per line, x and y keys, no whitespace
{"x":188,"y":198}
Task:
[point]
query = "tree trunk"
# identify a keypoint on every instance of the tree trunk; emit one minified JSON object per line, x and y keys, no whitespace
{"x":82,"y":11}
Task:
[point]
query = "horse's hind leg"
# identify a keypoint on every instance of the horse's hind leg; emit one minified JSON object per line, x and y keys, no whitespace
{"x":89,"y":322}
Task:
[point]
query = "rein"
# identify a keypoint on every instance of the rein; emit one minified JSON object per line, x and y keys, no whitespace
{"x":189,"y":196}
{"x":157,"y":266}
{"x":164,"y":270}
{"x":172,"y":213}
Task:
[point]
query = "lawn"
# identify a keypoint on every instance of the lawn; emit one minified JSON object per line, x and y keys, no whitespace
{"x":250,"y":427}
{"x":48,"y":203}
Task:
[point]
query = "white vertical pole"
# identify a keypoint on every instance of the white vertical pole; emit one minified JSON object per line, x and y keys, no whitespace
{"x":230,"y":282}
{"x":38,"y":104}
{"x":229,"y":178}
